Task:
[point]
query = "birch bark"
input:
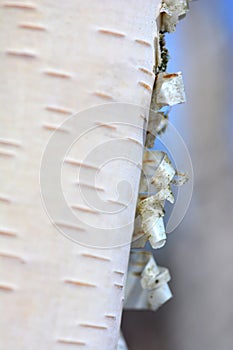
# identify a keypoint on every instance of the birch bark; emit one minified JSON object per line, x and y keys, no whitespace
{"x":58,"y":58}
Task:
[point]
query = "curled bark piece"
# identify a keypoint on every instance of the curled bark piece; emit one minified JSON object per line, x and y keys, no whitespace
{"x":169,"y":89}
{"x":180,"y":179}
{"x":151,"y":208}
{"x":157,"y":171}
{"x":171,"y":11}
{"x":157,"y":124}
{"x":147,"y":283}
{"x":155,"y":279}
{"x":164,"y":173}
{"x":151,"y":161}
{"x":159,"y":296}
{"x":154,"y":276}
{"x":151,"y":211}
{"x":163,"y":122}
{"x":158,"y":175}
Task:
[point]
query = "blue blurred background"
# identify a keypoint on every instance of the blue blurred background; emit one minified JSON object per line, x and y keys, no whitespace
{"x":199,"y":253}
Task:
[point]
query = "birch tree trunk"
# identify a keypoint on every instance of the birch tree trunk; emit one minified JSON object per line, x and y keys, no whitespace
{"x":58,"y":58}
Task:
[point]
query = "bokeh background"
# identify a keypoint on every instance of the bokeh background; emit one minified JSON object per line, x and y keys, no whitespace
{"x":199,"y":253}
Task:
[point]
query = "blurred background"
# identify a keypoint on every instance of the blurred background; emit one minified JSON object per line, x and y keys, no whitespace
{"x":199,"y":253}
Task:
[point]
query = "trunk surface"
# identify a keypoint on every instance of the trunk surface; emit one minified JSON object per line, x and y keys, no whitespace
{"x":58,"y":58}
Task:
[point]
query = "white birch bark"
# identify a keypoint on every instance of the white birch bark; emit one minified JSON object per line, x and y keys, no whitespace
{"x":58,"y":58}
